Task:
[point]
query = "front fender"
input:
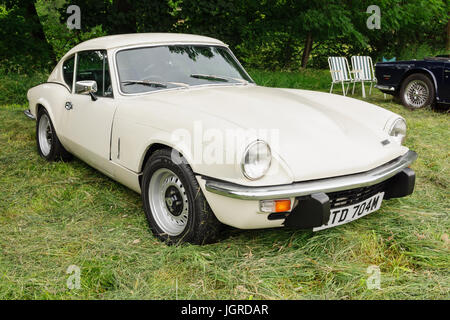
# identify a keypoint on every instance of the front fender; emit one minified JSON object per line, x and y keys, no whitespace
{"x":139,"y":125}
{"x":279,"y":172}
{"x":421,"y":70}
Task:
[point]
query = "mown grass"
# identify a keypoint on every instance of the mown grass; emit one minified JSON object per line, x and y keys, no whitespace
{"x":53,"y":215}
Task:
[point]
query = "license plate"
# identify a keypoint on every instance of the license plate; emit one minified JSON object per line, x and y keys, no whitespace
{"x":355,"y":211}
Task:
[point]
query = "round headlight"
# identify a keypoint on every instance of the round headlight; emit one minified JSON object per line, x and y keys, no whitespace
{"x":256,"y":160}
{"x":398,"y":130}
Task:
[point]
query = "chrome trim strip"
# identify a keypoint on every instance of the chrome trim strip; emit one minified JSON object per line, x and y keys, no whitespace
{"x":389,"y":88}
{"x":29,"y":114}
{"x":297,"y":189}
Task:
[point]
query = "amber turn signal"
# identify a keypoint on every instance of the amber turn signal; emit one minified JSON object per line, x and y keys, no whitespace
{"x":271,"y":206}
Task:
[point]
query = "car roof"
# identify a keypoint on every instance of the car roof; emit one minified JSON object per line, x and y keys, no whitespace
{"x":132,"y":39}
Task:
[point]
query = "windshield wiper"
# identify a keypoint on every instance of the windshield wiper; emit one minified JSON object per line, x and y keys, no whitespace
{"x":157,"y":84}
{"x":217,"y":78}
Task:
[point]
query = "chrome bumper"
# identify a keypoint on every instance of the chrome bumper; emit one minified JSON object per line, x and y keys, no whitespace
{"x":297,"y":189}
{"x":387,"y":88}
{"x":29,"y":114}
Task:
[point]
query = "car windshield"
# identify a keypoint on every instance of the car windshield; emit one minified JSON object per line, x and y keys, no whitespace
{"x":155,"y":68}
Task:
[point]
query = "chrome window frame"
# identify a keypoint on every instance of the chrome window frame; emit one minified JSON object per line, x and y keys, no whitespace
{"x":76,"y":70}
{"x":74,"y":55}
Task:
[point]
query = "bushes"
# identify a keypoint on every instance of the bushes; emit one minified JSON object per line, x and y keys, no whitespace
{"x":19,"y":48}
{"x":14,"y":86}
{"x":308,"y":79}
{"x":277,"y":51}
{"x":419,"y":51}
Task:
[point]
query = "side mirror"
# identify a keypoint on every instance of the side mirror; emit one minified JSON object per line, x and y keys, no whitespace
{"x":86,"y":87}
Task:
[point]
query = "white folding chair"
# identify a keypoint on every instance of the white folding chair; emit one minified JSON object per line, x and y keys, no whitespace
{"x":362,"y":68}
{"x":340,"y":73}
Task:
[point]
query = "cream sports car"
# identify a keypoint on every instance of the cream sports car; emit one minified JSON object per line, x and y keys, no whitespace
{"x":177,"y":119}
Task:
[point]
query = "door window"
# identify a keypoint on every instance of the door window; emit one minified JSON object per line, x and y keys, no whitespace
{"x":93,"y":65}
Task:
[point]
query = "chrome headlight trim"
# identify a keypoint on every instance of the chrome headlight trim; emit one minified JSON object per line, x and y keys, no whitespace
{"x":398,"y":130}
{"x":247,"y":150}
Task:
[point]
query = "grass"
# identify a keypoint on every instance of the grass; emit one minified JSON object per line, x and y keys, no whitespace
{"x":53,"y":215}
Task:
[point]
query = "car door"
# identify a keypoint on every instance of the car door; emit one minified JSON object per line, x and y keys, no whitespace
{"x":88,"y":121}
{"x":444,"y":92}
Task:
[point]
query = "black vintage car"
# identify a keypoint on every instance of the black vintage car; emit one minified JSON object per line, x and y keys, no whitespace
{"x":418,"y":83}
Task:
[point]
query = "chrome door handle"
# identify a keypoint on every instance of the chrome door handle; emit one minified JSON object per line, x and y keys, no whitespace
{"x":68,"y":105}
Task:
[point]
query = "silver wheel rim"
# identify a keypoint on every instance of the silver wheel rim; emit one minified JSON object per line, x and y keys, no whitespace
{"x":416,"y":93}
{"x":45,"y":135}
{"x":168,"y":202}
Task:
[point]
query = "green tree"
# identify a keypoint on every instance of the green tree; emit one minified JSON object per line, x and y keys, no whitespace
{"x":272,"y":34}
{"x":303,"y":25}
{"x":223,"y":19}
{"x":22,"y":38}
{"x":126,"y":16}
{"x":53,"y":17}
{"x":290,"y":32}
{"x":405,"y":26}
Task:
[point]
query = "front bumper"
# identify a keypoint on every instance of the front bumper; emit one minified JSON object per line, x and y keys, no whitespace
{"x":296,"y":189}
{"x":385,"y":88}
{"x":29,"y":114}
{"x":238,"y":205}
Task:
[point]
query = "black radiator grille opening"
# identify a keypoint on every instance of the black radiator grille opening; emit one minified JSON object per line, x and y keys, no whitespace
{"x":348,"y":197}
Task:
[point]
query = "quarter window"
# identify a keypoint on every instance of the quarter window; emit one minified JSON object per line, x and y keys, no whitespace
{"x":68,"y":67}
{"x":93,"y":65}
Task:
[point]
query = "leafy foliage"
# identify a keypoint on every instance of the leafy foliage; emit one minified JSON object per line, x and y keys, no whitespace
{"x":53,"y":16}
{"x":125,"y":16}
{"x":22,"y":40}
{"x":269,"y":34}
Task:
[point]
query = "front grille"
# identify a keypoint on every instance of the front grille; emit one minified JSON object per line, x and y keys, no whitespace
{"x":348,"y":197}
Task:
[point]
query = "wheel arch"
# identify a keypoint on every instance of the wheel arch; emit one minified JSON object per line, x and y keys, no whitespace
{"x":43,"y":104}
{"x":40,"y":106}
{"x":151,"y":149}
{"x":423,"y":71}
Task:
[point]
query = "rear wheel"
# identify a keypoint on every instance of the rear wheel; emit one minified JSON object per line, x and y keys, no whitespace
{"x":417,"y":91}
{"x":174,"y":204}
{"x":48,"y":145}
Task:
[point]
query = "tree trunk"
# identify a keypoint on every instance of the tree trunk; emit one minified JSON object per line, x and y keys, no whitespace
{"x":307,"y":50}
{"x":448,"y":36}
{"x":37,"y":32}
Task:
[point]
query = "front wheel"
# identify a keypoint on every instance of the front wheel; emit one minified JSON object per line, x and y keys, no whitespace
{"x":174,"y":204}
{"x":48,"y":145}
{"x":417,"y":91}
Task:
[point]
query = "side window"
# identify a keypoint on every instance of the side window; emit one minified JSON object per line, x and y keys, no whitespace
{"x":68,"y":67}
{"x":93,"y":65}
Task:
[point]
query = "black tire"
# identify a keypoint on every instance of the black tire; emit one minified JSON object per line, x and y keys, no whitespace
{"x":202,"y":226}
{"x":442,"y":107}
{"x":426,"y":92}
{"x":397,"y":99}
{"x":56,"y":150}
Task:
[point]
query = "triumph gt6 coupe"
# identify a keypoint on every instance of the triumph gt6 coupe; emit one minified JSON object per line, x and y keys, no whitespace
{"x":176,"y":118}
